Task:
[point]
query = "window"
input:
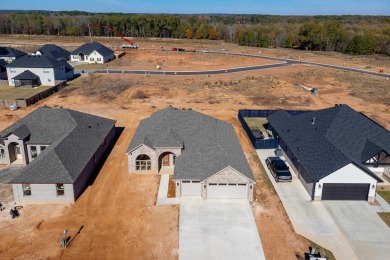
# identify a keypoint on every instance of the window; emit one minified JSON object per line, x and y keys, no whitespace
{"x":12,"y":70}
{"x":46,"y":70}
{"x":26,"y":189}
{"x":60,"y":189}
{"x":49,"y":80}
{"x":143,"y":163}
{"x":42,"y":148}
{"x":99,"y":59}
{"x":34,"y":151}
{"x":91,"y":59}
{"x":2,"y":153}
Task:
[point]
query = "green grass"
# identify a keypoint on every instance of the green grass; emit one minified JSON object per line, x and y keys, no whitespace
{"x":385,"y":194}
{"x":256,"y":123}
{"x":10,"y":93}
{"x":385,"y":216}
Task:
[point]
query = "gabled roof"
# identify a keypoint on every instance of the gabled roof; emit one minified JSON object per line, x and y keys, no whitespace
{"x":73,"y":138}
{"x":326,"y":140}
{"x":3,"y":63}
{"x":210,"y":145}
{"x":54,"y":51}
{"x":26,"y":75}
{"x":37,"y":61}
{"x":11,"y":52}
{"x":88,"y":48}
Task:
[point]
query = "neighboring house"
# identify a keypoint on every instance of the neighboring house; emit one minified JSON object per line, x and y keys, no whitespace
{"x":92,"y":53}
{"x":336,"y":151}
{"x":3,"y":70}
{"x":53,"y":51}
{"x":10,"y":54}
{"x":41,"y":70}
{"x":202,"y":152}
{"x":60,"y":149}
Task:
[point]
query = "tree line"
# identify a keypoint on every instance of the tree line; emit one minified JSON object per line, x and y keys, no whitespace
{"x":346,"y":34}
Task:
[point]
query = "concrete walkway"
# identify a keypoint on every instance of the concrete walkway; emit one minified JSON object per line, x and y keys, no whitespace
{"x":218,"y":229}
{"x":162,"y":194}
{"x":350,"y":229}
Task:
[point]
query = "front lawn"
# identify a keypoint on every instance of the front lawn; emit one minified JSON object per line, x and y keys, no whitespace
{"x":385,"y":216}
{"x":385,"y":194}
{"x":11,"y":93}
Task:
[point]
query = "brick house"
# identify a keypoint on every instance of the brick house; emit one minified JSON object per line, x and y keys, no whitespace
{"x":202,"y":153}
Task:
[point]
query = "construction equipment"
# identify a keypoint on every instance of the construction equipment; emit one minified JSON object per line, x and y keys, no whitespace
{"x":130,"y":44}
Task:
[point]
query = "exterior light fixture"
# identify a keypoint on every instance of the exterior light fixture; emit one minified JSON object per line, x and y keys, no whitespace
{"x":319,"y":186}
{"x":373,"y":186}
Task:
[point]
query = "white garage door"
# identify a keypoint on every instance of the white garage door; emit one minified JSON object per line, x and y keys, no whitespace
{"x":227,"y":191}
{"x":190,"y":188}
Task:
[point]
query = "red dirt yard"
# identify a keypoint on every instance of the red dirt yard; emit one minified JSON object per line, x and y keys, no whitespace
{"x":118,"y":212}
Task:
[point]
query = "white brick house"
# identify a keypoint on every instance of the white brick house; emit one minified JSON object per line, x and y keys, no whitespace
{"x":202,"y":152}
{"x":59,"y":149}
{"x":92,"y":53}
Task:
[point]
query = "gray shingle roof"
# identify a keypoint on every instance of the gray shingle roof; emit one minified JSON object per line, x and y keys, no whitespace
{"x":54,"y":51}
{"x":26,"y":75}
{"x":339,"y":136}
{"x":38,"y":61}
{"x":3,"y":63}
{"x":90,"y":47}
{"x":10,"y":52}
{"x":210,"y":145}
{"x":73,"y":138}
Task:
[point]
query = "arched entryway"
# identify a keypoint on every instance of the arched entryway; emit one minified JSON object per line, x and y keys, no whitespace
{"x":81,"y":57}
{"x":166,"y":160}
{"x":15,"y":153}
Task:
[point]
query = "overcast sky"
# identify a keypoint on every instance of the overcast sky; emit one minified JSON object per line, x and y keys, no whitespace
{"x":276,"y":7}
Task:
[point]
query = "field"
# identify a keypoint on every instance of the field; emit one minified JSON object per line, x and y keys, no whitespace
{"x":117,"y":212}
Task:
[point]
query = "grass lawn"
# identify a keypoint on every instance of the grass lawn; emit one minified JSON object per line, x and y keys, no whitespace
{"x":385,"y":194}
{"x":9,"y":92}
{"x":385,"y":216}
{"x":256,"y":123}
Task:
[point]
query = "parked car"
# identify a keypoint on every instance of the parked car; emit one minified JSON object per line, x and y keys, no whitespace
{"x":278,"y":168}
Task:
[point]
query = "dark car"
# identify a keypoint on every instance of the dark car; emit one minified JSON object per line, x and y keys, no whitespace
{"x":279,"y":169}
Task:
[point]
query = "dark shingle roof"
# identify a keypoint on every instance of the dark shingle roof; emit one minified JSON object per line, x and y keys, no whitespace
{"x":73,"y":138}
{"x":10,"y":52}
{"x":339,"y":136}
{"x":39,"y":61}
{"x":210,"y":145}
{"x":26,"y":75}
{"x":3,"y":63}
{"x":88,"y":48}
{"x":54,"y":51}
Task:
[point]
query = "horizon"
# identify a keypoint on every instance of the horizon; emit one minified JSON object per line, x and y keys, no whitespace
{"x":221,"y":7}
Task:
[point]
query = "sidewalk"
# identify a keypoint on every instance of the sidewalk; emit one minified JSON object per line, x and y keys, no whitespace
{"x":162,"y":198}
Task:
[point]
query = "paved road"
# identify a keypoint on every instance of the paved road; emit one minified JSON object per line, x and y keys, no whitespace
{"x":350,"y":229}
{"x":283,"y":63}
{"x":218,"y":229}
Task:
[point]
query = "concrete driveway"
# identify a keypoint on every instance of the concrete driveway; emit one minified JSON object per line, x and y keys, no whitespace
{"x":350,"y":229}
{"x":218,"y":229}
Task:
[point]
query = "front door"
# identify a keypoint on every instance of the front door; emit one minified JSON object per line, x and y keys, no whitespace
{"x":165,"y":160}
{"x":18,"y":152}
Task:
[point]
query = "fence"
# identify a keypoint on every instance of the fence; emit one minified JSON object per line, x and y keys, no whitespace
{"x":256,"y":142}
{"x":25,"y":102}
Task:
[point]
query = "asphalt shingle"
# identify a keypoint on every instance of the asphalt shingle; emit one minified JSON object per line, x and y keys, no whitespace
{"x":73,"y":138}
{"x":210,"y":145}
{"x":326,"y":140}
{"x":54,"y":51}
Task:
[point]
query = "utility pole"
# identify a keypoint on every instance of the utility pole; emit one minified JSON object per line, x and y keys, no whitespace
{"x":90,"y":36}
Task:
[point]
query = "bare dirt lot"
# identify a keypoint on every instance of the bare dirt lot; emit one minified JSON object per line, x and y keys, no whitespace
{"x":117,"y":212}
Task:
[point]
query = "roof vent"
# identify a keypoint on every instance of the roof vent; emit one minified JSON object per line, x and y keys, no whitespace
{"x":89,"y":126}
{"x":313,"y":121}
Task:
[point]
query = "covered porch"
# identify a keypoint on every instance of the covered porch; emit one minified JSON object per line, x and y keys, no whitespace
{"x":27,"y":79}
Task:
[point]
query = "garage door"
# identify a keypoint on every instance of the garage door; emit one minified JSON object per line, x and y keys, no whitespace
{"x":190,"y":188}
{"x":345,"y":191}
{"x":227,"y":191}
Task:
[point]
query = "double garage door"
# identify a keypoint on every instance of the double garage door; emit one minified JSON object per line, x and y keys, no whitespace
{"x":227,"y":191}
{"x":345,"y":191}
